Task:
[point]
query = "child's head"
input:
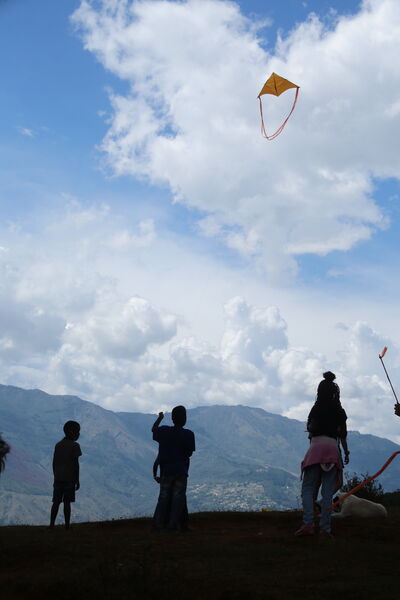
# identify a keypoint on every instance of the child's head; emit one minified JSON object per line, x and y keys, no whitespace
{"x":179,"y":415}
{"x":328,"y":390}
{"x":72,"y":430}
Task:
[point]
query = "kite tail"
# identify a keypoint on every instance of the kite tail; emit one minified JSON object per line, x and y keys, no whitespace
{"x":363,"y":483}
{"x":281,"y":128}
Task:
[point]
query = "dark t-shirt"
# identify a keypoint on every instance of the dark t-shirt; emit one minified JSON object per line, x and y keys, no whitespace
{"x":65,"y":454}
{"x":176,"y":445}
{"x":322,"y":421}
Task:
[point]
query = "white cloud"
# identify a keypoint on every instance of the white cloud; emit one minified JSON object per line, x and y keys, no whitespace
{"x":123,"y":240}
{"x":25,"y":131}
{"x":251,"y":332}
{"x":121,"y":331}
{"x":190,"y":119}
{"x":72,"y":323}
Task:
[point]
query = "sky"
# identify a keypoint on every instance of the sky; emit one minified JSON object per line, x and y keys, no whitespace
{"x":155,"y":250}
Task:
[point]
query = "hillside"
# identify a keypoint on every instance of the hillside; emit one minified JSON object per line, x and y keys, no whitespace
{"x":246,"y":458}
{"x":227,"y":556}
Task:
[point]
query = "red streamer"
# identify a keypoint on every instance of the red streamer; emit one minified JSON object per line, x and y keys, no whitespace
{"x":281,"y":128}
{"x":363,"y":483}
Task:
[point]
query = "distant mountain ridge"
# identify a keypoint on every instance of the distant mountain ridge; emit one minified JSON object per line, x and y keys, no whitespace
{"x":246,"y":458}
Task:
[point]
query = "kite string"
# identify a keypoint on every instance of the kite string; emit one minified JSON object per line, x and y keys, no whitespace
{"x":363,"y":483}
{"x":280,"y":129}
{"x":264,"y":133}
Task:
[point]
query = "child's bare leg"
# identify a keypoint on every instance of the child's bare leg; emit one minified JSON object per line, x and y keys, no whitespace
{"x":67,"y":513}
{"x":53,"y":513}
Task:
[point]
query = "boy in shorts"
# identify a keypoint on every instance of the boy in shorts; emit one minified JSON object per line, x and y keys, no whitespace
{"x":66,"y":472}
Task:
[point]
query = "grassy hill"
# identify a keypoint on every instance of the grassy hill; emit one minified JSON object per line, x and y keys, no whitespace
{"x":227,"y":556}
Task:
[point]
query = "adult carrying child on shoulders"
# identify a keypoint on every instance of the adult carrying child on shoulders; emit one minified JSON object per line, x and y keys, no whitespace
{"x":322,"y":464}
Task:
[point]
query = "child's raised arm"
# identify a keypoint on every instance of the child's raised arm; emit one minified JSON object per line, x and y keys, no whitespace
{"x":158,"y":421}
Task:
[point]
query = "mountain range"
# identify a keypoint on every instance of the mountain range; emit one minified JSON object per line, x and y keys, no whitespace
{"x":245,"y":459}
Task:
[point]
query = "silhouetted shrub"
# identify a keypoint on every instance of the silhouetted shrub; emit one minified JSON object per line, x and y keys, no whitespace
{"x":371,"y":491}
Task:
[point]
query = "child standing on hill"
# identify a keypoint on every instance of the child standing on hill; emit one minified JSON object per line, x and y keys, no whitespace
{"x":176,"y":446}
{"x":66,"y":472}
{"x":322,"y":464}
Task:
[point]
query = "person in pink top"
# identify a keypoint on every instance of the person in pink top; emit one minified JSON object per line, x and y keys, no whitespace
{"x":322,"y":464}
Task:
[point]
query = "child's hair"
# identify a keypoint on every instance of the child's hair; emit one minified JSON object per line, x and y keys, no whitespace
{"x":71,"y":428}
{"x":179,"y":415}
{"x":328,"y":390}
{"x":4,"y":450}
{"x":329,"y":376}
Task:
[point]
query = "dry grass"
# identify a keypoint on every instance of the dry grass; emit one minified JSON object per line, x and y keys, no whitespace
{"x":226,"y":556}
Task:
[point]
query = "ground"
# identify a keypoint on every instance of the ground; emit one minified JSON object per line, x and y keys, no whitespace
{"x":226,"y":556}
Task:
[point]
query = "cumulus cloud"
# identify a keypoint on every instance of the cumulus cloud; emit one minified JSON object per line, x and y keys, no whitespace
{"x":123,"y":239}
{"x":26,"y":329}
{"x":121,"y":331}
{"x":56,"y":294}
{"x":69,"y":326}
{"x":25,"y":131}
{"x":251,"y":332}
{"x":190,"y":119}
{"x":365,"y":391}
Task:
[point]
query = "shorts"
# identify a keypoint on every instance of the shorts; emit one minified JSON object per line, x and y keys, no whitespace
{"x":63,"y":491}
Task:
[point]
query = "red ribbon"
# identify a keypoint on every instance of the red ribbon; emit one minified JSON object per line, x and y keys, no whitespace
{"x":363,"y":483}
{"x":281,"y":128}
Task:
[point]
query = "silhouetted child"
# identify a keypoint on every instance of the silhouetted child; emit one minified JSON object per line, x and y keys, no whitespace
{"x":4,"y":450}
{"x":176,"y":446}
{"x":322,"y":464}
{"x":66,"y":471}
{"x":184,"y":523}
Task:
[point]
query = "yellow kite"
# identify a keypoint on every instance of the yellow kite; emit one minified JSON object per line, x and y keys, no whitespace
{"x":276,"y":85}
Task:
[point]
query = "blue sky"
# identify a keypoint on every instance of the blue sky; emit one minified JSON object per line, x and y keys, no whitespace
{"x":113,"y":232}
{"x":55,"y":89}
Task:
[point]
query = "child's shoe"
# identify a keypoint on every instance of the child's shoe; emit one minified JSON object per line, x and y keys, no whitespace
{"x":325,"y":534}
{"x":304,"y":530}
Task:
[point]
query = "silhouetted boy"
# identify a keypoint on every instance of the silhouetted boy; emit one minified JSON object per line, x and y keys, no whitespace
{"x":176,"y":446}
{"x":66,"y":471}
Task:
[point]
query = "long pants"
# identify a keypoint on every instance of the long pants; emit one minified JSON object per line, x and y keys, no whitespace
{"x":171,"y":509}
{"x":311,"y":477}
